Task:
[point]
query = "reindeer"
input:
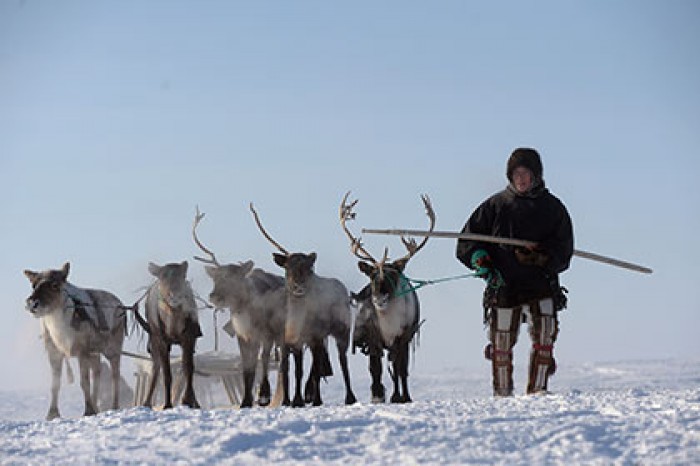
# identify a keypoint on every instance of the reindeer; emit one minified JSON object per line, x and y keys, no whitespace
{"x":316,"y":307}
{"x":77,"y":322}
{"x":256,"y":301}
{"x":389,"y":311}
{"x":171,"y":318}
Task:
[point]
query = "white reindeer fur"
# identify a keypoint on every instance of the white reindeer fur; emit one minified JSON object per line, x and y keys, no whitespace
{"x":326,"y":300}
{"x":398,"y":315}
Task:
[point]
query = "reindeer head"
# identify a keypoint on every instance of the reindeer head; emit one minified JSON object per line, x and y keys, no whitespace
{"x":228,"y":279}
{"x":298,"y":270}
{"x":386,"y":279}
{"x":386,"y":282}
{"x":172,"y":284}
{"x":47,"y":293}
{"x":298,"y":267}
{"x":229,"y":284}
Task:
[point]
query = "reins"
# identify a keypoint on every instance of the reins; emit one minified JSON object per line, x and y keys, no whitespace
{"x":407,"y":284}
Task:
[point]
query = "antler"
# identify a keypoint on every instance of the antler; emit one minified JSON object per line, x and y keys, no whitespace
{"x":346,"y":214}
{"x":198,"y":218}
{"x":410,"y":243}
{"x":262,"y":230}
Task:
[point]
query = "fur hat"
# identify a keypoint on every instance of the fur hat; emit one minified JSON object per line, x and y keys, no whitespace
{"x":525,"y":157}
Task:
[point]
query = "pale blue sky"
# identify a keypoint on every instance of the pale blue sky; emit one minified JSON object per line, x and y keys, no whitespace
{"x":117,"y":118}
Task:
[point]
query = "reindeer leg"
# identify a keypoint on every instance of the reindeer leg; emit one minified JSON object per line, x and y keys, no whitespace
{"x":264,"y":391}
{"x":298,"y":400}
{"x":375,"y":370}
{"x":249,"y":353}
{"x":164,"y":355}
{"x":56,"y":362}
{"x":393,"y":358}
{"x":312,"y":389}
{"x":311,"y":385}
{"x":403,"y":374}
{"x":155,"y":371}
{"x":189,"y":398}
{"x":85,"y":362}
{"x":115,"y":365}
{"x":284,"y":375}
{"x":342,"y":345}
{"x":96,"y":369}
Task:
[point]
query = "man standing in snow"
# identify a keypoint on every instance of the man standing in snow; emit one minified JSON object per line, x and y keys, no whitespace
{"x":522,"y":283}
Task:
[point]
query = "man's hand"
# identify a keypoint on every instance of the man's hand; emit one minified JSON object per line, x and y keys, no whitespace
{"x":484,"y":268}
{"x":481,"y":261}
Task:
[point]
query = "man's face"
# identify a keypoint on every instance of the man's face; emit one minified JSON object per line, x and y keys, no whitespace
{"x":522,"y":179}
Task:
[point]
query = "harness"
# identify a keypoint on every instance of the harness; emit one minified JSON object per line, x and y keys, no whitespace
{"x":81,"y":314}
{"x":406,"y":284}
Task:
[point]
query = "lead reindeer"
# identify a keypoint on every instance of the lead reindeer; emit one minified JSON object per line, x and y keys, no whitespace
{"x":256,"y":300}
{"x":389,"y":313}
{"x":316,"y":307}
{"x":78,"y":322}
{"x":171,"y":318}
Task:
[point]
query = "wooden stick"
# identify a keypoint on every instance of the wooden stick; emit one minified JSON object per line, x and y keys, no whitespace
{"x":511,"y":241}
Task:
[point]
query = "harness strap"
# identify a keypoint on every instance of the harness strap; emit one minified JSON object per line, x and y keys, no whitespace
{"x":539,"y":347}
{"x":81,"y":314}
{"x":408,"y":285}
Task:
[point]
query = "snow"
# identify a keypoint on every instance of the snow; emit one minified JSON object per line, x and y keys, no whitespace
{"x":631,"y":412}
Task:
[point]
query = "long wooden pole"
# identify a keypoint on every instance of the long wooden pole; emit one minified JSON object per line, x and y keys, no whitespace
{"x":511,"y":241}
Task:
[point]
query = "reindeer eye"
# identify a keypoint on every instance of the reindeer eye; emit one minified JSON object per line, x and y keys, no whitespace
{"x":55,"y":286}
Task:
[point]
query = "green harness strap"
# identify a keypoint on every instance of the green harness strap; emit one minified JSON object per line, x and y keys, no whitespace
{"x":407,"y":285}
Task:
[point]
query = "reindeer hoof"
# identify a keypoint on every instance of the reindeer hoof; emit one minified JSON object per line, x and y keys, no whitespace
{"x":350,"y":399}
{"x":263,"y":401}
{"x":298,"y":402}
{"x":309,"y":392}
{"x":396,"y":398}
{"x":378,"y":393}
{"x":52,"y":414}
{"x":246,"y":403}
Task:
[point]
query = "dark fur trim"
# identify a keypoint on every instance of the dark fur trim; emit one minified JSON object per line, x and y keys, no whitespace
{"x":525,"y":157}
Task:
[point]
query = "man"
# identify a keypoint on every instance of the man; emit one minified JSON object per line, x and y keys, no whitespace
{"x":522,"y":283}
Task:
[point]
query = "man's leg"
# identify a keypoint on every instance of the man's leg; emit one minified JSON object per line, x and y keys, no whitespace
{"x":544,"y":328}
{"x":503,"y":334}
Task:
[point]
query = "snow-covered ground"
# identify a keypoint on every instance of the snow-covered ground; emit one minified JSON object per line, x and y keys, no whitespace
{"x":639,"y":412}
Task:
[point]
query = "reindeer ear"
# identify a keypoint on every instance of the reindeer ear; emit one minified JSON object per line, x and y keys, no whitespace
{"x":365,"y":268}
{"x":32,"y":276}
{"x":247,"y":266}
{"x":184,"y":265}
{"x":400,"y":264}
{"x":65,"y":270}
{"x":312,"y":258}
{"x":280,"y":259}
{"x":154,"y":269}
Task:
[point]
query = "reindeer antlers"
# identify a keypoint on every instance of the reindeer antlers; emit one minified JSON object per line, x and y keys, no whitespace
{"x":262,"y":230}
{"x":346,"y":214}
{"x":410,"y":243}
{"x":198,"y":218}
